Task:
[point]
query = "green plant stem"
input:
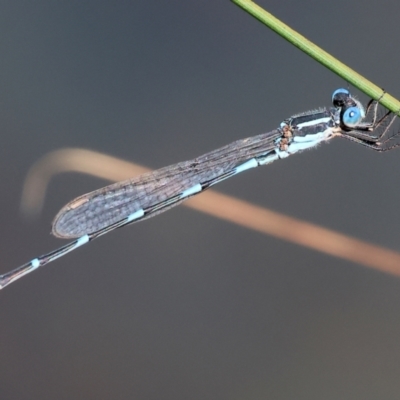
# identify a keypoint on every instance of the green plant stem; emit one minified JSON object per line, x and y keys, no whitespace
{"x":320,"y":55}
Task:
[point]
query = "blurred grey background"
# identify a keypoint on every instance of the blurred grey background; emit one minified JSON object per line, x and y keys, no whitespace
{"x":185,"y":306}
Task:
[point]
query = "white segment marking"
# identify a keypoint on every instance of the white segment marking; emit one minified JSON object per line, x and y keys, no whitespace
{"x":295,"y":147}
{"x":315,"y":137}
{"x":137,"y":214}
{"x":192,"y":190}
{"x":314,"y":122}
{"x":81,"y":241}
{"x":268,"y":159}
{"x":247,"y":165}
{"x":298,"y":145}
{"x":282,"y":154}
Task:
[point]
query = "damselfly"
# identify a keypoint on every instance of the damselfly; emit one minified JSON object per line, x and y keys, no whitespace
{"x":114,"y":206}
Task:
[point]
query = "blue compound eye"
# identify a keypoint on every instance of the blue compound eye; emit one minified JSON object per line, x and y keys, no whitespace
{"x":341,"y":90}
{"x":352,"y":117}
{"x":339,"y":97}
